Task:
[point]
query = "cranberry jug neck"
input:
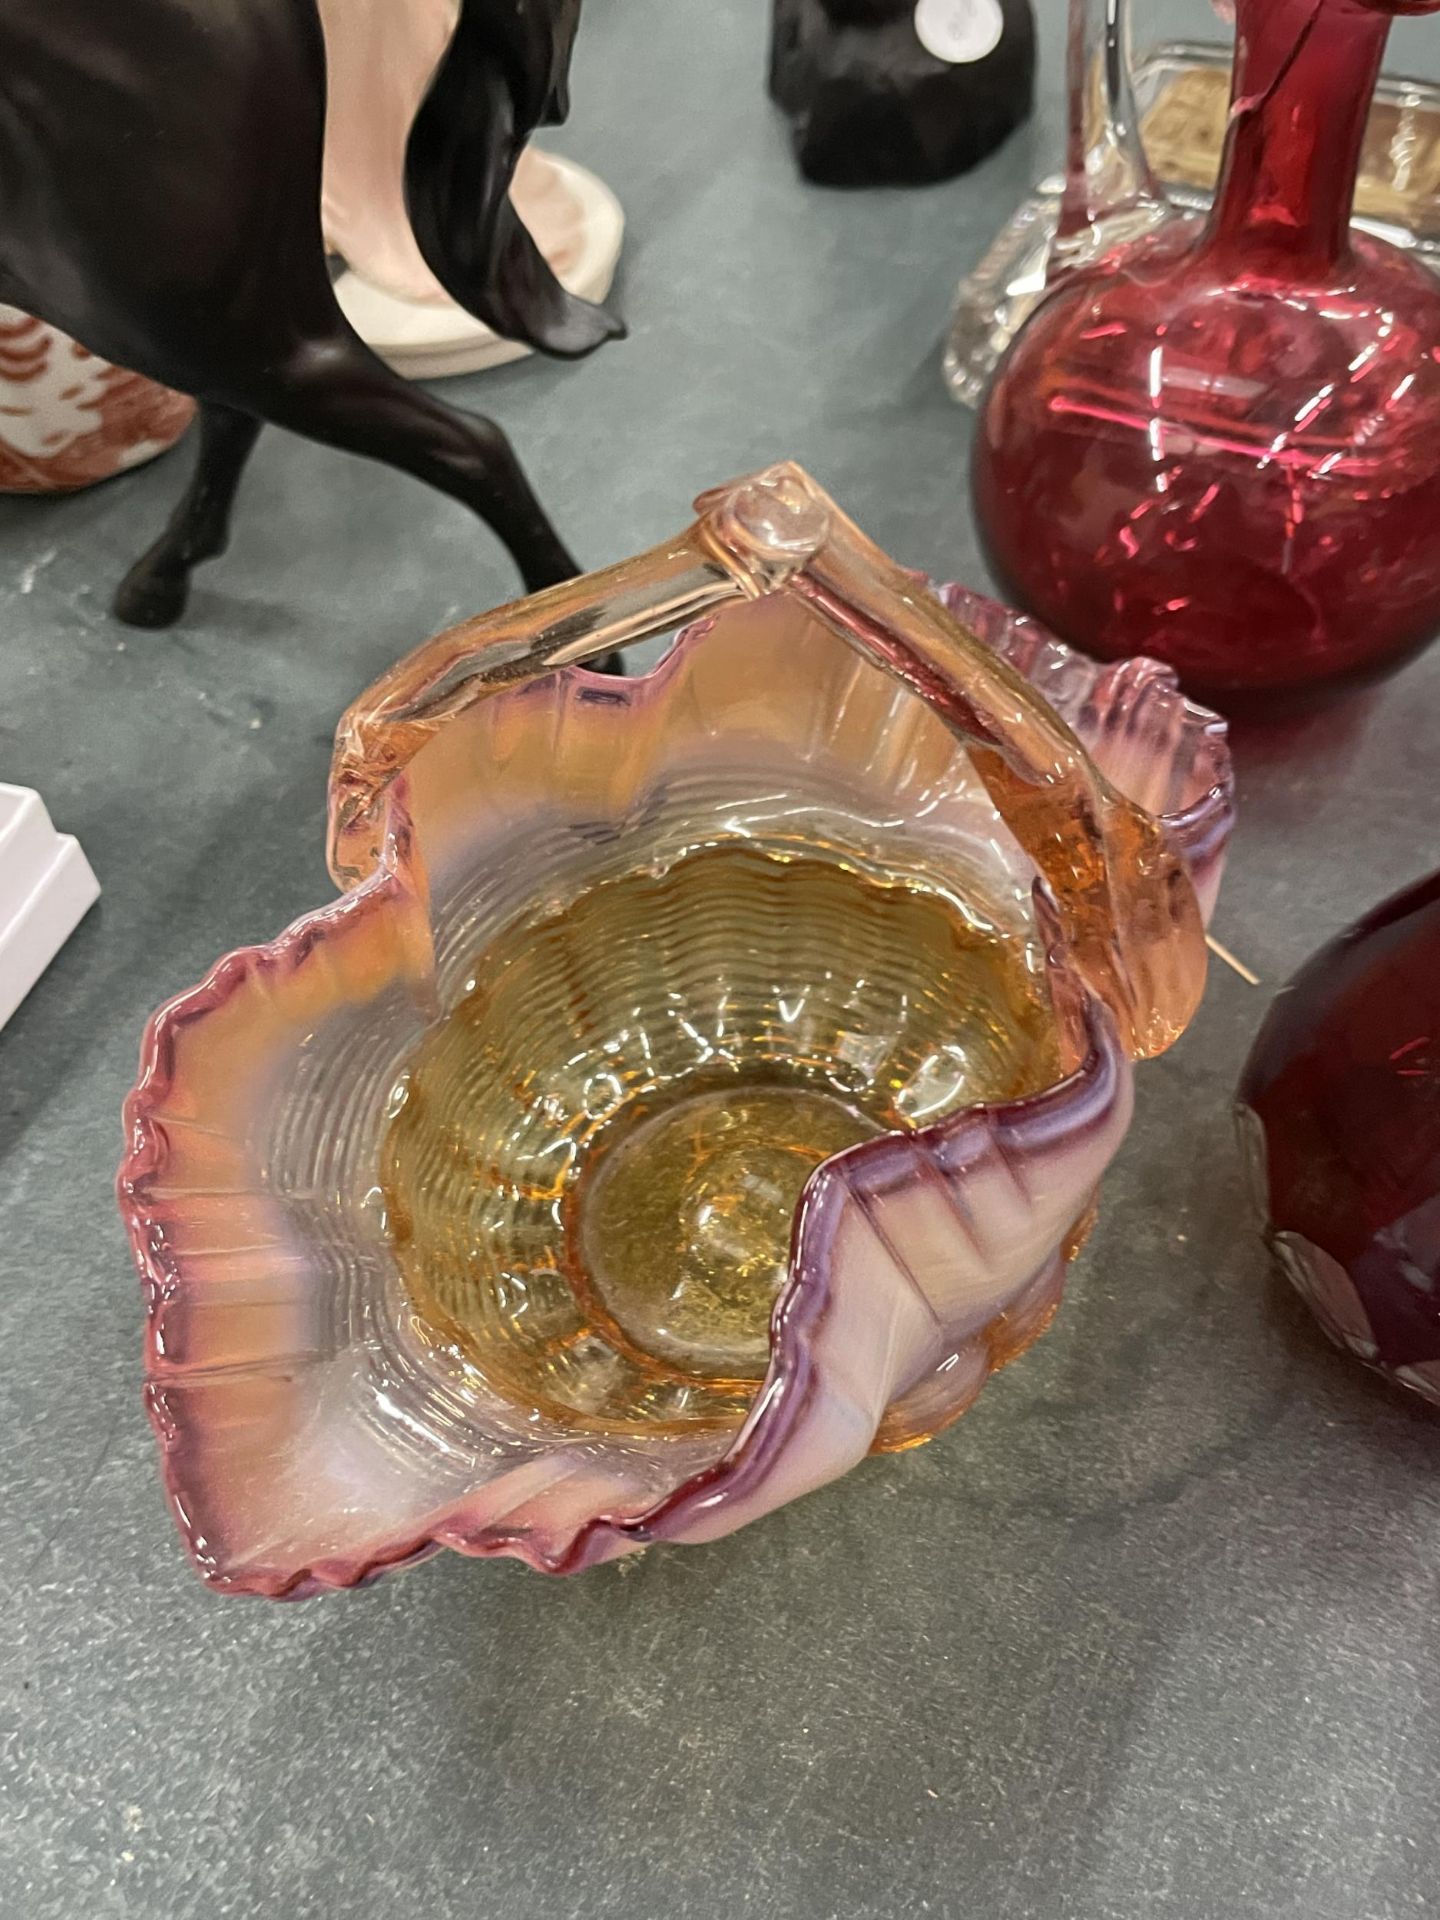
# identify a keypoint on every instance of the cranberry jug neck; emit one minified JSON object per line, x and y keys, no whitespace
{"x":1305,"y":74}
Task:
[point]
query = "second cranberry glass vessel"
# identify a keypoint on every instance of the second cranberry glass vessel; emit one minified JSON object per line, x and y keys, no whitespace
{"x":1340,"y":1110}
{"x":1221,"y":442}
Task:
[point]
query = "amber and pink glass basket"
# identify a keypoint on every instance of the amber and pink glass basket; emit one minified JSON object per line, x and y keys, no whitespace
{"x":702,"y":1080}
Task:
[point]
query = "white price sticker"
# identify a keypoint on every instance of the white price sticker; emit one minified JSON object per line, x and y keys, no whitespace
{"x":959,"y":30}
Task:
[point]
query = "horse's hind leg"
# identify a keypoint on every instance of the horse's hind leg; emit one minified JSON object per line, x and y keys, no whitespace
{"x":154,"y":591}
{"x":338,"y":392}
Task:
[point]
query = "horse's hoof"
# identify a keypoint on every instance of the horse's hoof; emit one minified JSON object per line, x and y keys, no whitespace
{"x":146,"y":599}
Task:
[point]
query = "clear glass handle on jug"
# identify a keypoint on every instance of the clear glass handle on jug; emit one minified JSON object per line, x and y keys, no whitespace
{"x":1106,"y":194}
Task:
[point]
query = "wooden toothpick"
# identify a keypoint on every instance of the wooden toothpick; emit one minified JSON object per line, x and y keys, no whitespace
{"x":1236,"y":966}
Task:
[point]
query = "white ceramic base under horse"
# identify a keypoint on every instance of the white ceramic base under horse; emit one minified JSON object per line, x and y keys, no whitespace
{"x":578,"y":224}
{"x":46,"y":888}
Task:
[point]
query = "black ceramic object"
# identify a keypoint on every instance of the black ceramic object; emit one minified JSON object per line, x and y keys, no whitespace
{"x":872,"y":105}
{"x":160,"y":200}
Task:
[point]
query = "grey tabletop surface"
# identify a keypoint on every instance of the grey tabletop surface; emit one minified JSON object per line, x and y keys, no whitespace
{"x":1151,"y":1632}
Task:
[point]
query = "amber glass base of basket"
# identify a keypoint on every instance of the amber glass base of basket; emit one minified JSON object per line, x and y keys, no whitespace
{"x":593,"y":1170}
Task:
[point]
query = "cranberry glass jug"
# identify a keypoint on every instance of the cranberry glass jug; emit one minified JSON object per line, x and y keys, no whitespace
{"x":1221,"y":442}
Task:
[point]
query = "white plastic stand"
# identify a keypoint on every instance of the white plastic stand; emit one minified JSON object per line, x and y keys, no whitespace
{"x":46,"y":886}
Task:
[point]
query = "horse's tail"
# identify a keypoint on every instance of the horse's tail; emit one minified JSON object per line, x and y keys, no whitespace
{"x":503,"y":74}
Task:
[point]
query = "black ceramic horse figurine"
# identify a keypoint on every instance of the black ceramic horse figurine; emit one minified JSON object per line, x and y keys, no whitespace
{"x":160,"y":178}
